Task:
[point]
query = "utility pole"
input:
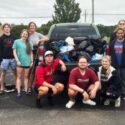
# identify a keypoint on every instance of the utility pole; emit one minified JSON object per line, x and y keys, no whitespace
{"x":85,"y":15}
{"x":92,"y":11}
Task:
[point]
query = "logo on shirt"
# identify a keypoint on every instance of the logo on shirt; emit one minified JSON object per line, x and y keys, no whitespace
{"x":82,"y":80}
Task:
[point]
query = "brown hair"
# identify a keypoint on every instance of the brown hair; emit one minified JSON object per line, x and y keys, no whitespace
{"x":117,"y":27}
{"x":28,"y":47}
{"x":6,"y":24}
{"x":85,"y":57}
{"x":120,"y":29}
{"x":31,"y":23}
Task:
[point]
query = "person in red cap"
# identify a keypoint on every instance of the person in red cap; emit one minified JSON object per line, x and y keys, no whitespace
{"x":43,"y":82}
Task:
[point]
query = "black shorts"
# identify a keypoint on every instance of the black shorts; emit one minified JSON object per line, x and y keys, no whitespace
{"x":25,"y":67}
{"x":37,"y":87}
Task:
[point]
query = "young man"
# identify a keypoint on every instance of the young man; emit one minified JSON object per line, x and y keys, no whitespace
{"x":82,"y":80}
{"x":6,"y":53}
{"x":44,"y":78}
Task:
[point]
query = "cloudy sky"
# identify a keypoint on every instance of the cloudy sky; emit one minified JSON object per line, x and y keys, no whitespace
{"x":107,"y":12}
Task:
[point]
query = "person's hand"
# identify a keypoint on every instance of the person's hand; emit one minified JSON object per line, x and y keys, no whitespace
{"x":85,"y":95}
{"x":31,"y":64}
{"x":63,"y":68}
{"x":92,"y":94}
{"x":18,"y":63}
{"x":54,"y":90}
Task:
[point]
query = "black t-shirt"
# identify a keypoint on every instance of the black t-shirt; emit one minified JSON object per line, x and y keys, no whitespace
{"x":6,"y":43}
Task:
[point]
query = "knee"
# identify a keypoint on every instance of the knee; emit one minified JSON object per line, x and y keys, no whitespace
{"x":43,"y":90}
{"x":71,"y":92}
{"x":60,"y":87}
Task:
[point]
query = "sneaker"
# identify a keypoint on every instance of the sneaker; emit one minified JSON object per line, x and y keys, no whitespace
{"x":118,"y":102}
{"x":38,"y":103}
{"x":1,"y":92}
{"x":89,"y":102}
{"x":8,"y":91}
{"x":107,"y":102}
{"x":18,"y":95}
{"x":29,"y":90}
{"x":70,"y":103}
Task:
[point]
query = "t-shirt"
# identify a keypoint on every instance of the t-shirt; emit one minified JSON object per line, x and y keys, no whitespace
{"x":35,"y":37}
{"x":118,"y":51}
{"x":45,"y":72}
{"x":82,"y":81}
{"x":6,"y":42}
{"x":22,"y":54}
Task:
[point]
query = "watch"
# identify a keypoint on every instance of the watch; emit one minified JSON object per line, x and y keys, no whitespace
{"x":83,"y":91}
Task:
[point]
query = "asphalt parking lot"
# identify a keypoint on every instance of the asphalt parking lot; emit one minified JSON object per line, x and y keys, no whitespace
{"x":22,"y":111}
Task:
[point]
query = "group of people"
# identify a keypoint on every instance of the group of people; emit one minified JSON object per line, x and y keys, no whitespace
{"x":107,"y":84}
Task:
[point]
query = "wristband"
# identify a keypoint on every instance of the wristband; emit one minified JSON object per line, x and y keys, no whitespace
{"x":83,"y":91}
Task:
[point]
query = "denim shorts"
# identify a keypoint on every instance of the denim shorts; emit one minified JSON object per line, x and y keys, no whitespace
{"x":8,"y":63}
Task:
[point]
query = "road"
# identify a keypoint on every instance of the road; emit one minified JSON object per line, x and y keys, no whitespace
{"x":22,"y":111}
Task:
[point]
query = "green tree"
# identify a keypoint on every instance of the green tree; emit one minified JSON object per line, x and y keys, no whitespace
{"x":66,"y":11}
{"x":17,"y":29}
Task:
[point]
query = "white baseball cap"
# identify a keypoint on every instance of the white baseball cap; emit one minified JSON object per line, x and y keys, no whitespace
{"x":48,"y":53}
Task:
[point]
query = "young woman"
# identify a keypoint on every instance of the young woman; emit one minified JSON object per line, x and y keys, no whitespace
{"x":110,"y":82}
{"x":35,"y":39}
{"x":22,"y":51}
{"x":121,"y":24}
{"x":6,"y":55}
{"x":117,"y":53}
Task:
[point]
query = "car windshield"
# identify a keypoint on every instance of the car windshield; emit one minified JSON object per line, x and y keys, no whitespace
{"x":60,"y":33}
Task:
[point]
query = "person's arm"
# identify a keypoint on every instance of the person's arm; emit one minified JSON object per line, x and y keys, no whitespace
{"x":54,"y":89}
{"x":42,"y":39}
{"x":63,"y":66}
{"x":16,"y":57}
{"x":31,"y":58}
{"x":95,"y":89}
{"x":78,"y":89}
{"x":1,"y":51}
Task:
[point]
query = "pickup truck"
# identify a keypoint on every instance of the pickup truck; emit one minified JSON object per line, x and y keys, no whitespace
{"x":78,"y":32}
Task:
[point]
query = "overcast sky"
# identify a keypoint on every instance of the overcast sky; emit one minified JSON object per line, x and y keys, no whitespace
{"x":107,"y":12}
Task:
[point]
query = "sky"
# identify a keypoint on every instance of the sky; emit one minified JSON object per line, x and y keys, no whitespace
{"x":106,"y":12}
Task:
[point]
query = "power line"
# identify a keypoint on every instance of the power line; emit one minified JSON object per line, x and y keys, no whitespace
{"x":26,"y":17}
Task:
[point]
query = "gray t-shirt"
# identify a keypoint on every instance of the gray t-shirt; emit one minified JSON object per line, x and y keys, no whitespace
{"x":35,"y":37}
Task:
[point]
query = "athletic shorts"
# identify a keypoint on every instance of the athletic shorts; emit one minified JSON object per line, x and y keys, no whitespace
{"x":8,"y":63}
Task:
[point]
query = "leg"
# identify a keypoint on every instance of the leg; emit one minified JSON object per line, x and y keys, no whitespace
{"x":3,"y":75}
{"x":13,"y":67}
{"x":59,"y":87}
{"x":4,"y":67}
{"x":122,"y":76}
{"x":41,"y":91}
{"x":72,"y":94}
{"x":26,"y":78}
{"x":18,"y":80}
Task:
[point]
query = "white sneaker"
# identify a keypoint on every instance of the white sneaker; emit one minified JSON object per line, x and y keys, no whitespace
{"x":118,"y":102}
{"x":107,"y":102}
{"x":89,"y":102}
{"x":70,"y":103}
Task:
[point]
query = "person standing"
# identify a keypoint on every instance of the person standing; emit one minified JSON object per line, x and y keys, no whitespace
{"x":82,"y":80}
{"x":6,"y":55}
{"x":121,"y":24}
{"x":110,"y":82}
{"x":44,"y":83}
{"x":117,"y":53}
{"x":22,"y":50}
{"x":37,"y":40}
